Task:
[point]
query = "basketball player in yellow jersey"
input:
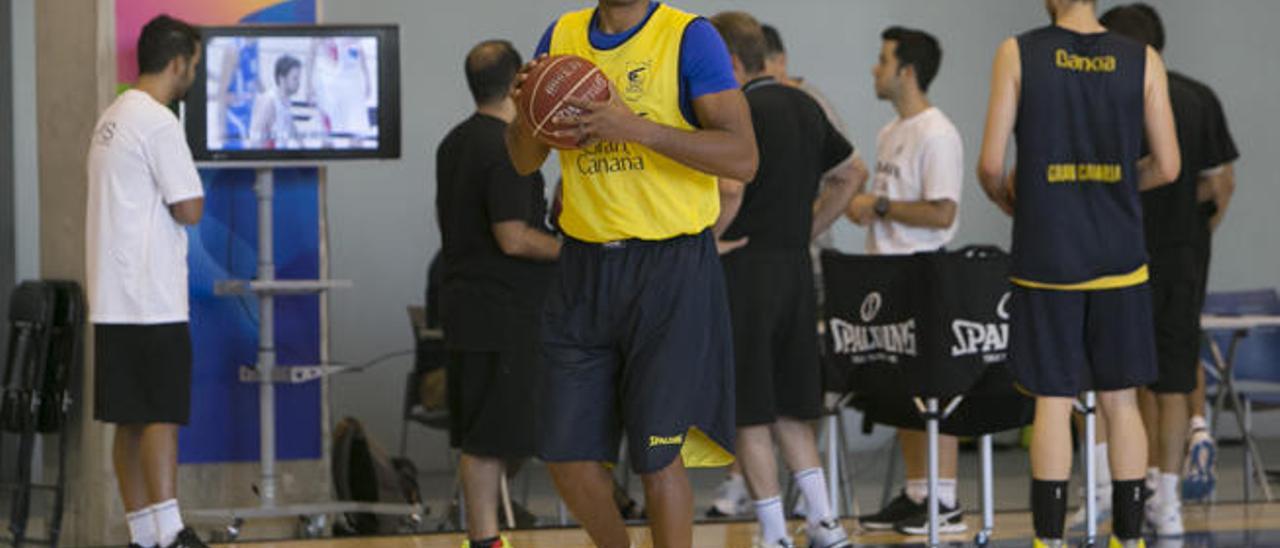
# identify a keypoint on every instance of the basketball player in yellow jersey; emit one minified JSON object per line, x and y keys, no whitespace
{"x":636,"y":328}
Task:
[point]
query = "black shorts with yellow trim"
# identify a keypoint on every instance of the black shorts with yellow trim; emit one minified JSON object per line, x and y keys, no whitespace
{"x":637,"y":339}
{"x":1063,"y":343}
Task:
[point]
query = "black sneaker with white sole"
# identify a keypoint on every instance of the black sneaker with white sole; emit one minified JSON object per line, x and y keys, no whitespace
{"x":899,"y":509}
{"x":188,"y":538}
{"x":950,"y":521}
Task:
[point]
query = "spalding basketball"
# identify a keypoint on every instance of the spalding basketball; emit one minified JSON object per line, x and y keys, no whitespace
{"x":543,"y":95}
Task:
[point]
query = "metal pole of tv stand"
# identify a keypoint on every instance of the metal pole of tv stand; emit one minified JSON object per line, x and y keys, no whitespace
{"x":266,"y":374}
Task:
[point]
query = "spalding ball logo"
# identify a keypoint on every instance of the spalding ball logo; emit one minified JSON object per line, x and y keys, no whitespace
{"x":870,"y":306}
{"x":1002,"y":309}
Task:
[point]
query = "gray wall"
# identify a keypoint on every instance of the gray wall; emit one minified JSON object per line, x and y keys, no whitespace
{"x":26,"y":187}
{"x":7,"y":267}
{"x":383,"y":227}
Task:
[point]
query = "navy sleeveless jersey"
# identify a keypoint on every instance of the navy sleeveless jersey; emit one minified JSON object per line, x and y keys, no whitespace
{"x":1078,"y":215}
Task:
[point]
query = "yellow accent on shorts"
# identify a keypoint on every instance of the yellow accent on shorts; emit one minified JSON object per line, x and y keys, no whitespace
{"x":699,"y":451}
{"x":1119,"y":281}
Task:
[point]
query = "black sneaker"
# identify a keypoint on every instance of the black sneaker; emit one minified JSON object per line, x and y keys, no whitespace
{"x":188,"y":539}
{"x":900,"y":508}
{"x":136,"y":545}
{"x":950,"y":521}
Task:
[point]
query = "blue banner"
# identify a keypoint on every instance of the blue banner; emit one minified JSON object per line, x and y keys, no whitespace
{"x":224,"y":423}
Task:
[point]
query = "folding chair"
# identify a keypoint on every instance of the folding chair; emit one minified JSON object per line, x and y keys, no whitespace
{"x":1247,"y":324}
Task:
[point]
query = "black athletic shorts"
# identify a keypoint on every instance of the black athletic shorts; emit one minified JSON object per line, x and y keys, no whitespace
{"x":491,"y":400}
{"x":1063,"y":343}
{"x":636,"y":339}
{"x":1175,"y":306}
{"x":773,"y":307}
{"x":142,"y":373}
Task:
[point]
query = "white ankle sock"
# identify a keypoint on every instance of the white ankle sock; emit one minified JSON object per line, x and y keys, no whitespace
{"x":917,"y":490}
{"x":947,"y":492}
{"x":142,"y":527}
{"x":168,"y":521}
{"x":1198,"y":423}
{"x":773,"y":524}
{"x":1167,"y":493}
{"x":813,"y":486}
{"x":1153,"y":479}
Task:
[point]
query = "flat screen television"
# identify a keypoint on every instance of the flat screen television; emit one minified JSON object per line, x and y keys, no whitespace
{"x":296,"y":93}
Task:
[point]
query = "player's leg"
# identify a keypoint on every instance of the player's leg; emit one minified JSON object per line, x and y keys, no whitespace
{"x":1122,"y":355}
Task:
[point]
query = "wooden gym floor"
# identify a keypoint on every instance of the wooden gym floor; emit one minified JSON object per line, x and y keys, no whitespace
{"x":1218,"y":526}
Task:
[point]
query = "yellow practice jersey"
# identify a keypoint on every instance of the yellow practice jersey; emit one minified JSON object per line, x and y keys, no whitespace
{"x":619,"y":191}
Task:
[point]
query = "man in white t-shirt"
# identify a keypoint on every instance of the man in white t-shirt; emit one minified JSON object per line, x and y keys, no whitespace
{"x":143,"y":189}
{"x":911,"y":208}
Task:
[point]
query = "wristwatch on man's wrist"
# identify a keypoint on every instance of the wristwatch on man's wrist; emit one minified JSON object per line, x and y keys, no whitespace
{"x":882,"y":206}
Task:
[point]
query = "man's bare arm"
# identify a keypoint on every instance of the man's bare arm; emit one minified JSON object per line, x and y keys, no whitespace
{"x":730,"y":202}
{"x":1162,"y":137}
{"x":1002,"y":112}
{"x":518,"y":239}
{"x":526,"y":151}
{"x":924,"y":213}
{"x":188,"y":212}
{"x":1221,"y":185}
{"x":725,"y":146}
{"x":838,"y":188}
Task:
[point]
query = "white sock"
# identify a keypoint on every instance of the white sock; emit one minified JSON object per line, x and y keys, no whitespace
{"x":947,"y":492}
{"x":1168,"y":491}
{"x":1103,"y":465}
{"x":168,"y":521}
{"x":813,"y":486}
{"x":773,"y":524}
{"x":1198,"y":423}
{"x":917,"y":490}
{"x":1153,"y":479}
{"x":142,"y":527}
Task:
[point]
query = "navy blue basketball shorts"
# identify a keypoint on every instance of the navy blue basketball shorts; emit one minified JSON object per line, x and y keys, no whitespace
{"x":1063,"y":343}
{"x":637,"y":340}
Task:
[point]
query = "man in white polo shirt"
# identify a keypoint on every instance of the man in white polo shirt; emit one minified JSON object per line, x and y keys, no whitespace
{"x":911,"y":208}
{"x":143,"y":189}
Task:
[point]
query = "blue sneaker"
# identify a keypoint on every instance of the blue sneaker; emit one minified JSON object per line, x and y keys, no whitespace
{"x":1200,"y":472}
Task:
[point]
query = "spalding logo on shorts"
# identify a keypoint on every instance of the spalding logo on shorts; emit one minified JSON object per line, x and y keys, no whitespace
{"x":870,"y":306}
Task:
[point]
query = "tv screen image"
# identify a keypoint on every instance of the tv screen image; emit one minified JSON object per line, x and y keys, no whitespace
{"x":296,"y":93}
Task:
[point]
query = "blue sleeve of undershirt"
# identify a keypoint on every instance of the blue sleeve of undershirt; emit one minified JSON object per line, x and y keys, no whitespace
{"x":544,"y":44}
{"x":705,"y":65}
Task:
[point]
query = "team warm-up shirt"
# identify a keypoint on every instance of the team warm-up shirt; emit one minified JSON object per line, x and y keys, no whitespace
{"x":920,"y":158}
{"x":797,"y":146}
{"x":619,"y":191}
{"x":486,"y":294}
{"x":136,"y":253}
{"x":1077,"y":217}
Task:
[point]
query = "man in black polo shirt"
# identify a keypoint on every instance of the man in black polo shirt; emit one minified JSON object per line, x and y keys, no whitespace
{"x":497,"y":261}
{"x":1172,"y":219}
{"x":1214,"y":187}
{"x":770,"y":283}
